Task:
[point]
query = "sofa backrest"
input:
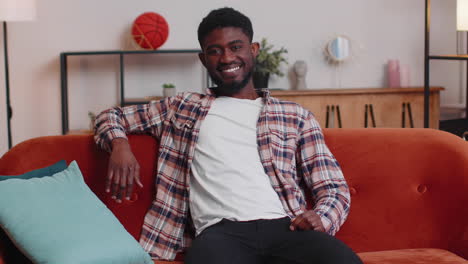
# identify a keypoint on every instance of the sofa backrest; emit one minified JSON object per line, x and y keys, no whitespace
{"x":409,"y":186}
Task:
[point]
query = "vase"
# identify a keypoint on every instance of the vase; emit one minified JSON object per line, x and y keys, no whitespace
{"x":393,"y":72}
{"x":168,"y":92}
{"x":404,"y":75}
{"x":260,"y":80}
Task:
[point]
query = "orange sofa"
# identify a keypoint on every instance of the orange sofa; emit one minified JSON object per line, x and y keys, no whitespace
{"x":409,"y":189}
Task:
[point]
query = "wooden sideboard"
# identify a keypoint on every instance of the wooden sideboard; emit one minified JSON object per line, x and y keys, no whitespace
{"x":386,"y":105}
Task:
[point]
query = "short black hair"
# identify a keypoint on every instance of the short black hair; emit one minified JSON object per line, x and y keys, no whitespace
{"x":224,"y":17}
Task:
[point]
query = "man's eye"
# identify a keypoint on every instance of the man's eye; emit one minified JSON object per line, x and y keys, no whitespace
{"x":214,"y":51}
{"x":236,"y":47}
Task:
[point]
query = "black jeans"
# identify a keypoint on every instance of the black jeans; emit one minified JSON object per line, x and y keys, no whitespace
{"x":266,"y":241}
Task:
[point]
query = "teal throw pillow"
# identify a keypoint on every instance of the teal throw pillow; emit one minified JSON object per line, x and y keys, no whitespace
{"x":47,"y":171}
{"x":59,"y":220}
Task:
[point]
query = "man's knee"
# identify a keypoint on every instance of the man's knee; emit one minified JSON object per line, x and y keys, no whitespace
{"x":316,"y":247}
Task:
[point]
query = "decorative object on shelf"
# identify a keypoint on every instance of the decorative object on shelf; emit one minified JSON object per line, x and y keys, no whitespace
{"x":150,"y":30}
{"x":338,"y":49}
{"x":300,"y":69}
{"x":169,"y":90}
{"x":268,"y":63}
{"x":13,"y":10}
{"x":393,"y":73}
{"x":405,"y":75}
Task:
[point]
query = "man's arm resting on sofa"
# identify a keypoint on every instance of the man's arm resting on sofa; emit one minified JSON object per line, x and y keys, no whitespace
{"x":111,"y":129}
{"x":323,"y":176}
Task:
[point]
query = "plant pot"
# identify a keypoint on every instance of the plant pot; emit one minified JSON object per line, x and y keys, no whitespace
{"x":168,"y":92}
{"x":260,"y":80}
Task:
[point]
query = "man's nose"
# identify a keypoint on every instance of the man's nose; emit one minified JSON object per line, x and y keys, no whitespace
{"x":227,"y":56}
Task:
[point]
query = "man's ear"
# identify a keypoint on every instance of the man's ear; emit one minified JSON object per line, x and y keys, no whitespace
{"x":255,"y":46}
{"x":201,"y":56}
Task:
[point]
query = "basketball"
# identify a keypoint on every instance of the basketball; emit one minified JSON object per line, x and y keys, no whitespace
{"x":150,"y":30}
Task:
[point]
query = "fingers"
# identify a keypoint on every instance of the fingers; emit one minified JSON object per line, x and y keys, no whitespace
{"x":129,"y":187}
{"x":298,"y":223}
{"x":137,"y":177}
{"x":120,"y":182}
{"x":307,"y":221}
{"x":110,"y":175}
{"x":115,"y":184}
{"x":133,"y":177}
{"x":123,"y":172}
{"x":122,"y":185}
{"x":315,"y":222}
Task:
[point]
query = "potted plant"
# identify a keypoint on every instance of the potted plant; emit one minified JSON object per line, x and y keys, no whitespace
{"x":168,"y":89}
{"x":268,"y":63}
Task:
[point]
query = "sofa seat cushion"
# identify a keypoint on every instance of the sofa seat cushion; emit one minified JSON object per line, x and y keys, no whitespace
{"x":412,"y":256}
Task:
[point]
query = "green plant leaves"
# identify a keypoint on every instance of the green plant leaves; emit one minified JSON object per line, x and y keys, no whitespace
{"x":269,"y":60}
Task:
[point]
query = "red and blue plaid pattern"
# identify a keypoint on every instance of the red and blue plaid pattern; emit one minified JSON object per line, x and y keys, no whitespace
{"x":291,"y":148}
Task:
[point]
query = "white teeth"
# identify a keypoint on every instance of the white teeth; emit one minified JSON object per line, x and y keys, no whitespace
{"x":232,"y":69}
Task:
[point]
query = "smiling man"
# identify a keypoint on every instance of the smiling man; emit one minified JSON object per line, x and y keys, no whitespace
{"x":233,"y":166}
{"x":229,"y":55}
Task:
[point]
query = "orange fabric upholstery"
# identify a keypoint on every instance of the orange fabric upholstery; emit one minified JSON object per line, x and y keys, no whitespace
{"x":412,"y":256}
{"x":409,"y":188}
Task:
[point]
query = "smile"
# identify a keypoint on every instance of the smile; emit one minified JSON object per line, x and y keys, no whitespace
{"x":231,"y":69}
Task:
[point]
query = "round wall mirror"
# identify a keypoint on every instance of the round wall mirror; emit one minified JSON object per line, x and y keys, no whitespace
{"x":339,"y":49}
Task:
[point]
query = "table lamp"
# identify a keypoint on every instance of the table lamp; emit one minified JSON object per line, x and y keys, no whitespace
{"x":13,"y":10}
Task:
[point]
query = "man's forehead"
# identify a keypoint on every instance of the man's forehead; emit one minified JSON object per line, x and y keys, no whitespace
{"x":225,"y":36}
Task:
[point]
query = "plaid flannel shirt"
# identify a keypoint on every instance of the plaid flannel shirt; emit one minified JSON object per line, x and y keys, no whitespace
{"x":291,"y":148}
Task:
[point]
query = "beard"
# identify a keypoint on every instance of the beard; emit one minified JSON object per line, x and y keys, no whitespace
{"x":229,"y":89}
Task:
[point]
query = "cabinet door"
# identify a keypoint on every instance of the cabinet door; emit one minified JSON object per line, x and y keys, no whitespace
{"x":387,"y":108}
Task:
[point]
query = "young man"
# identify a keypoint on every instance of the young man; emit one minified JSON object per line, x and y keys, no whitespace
{"x":233,"y":167}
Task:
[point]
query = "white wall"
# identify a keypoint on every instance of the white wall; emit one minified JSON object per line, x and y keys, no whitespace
{"x":381,"y":30}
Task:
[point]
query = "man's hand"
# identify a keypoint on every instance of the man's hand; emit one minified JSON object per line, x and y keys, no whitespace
{"x":307,"y":221}
{"x":123,"y":170}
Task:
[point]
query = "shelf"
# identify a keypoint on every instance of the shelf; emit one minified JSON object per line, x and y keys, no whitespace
{"x":119,"y":52}
{"x":428,"y":58}
{"x":448,"y":57}
{"x":315,"y":92}
{"x":145,"y":100}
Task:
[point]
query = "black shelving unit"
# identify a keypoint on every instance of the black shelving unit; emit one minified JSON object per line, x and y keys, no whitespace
{"x":455,"y":124}
{"x":121,"y":53}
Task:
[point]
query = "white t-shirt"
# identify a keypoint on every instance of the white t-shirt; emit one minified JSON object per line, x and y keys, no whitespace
{"x":229,"y":180}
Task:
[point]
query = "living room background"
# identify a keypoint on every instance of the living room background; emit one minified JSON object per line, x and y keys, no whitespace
{"x":382,"y":30}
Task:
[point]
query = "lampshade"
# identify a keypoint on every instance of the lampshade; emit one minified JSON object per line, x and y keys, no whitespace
{"x":17,"y":10}
{"x":462,"y":15}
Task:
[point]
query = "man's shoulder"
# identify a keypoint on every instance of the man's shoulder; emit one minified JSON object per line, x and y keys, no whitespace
{"x":190,"y":96}
{"x":288,"y":107}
